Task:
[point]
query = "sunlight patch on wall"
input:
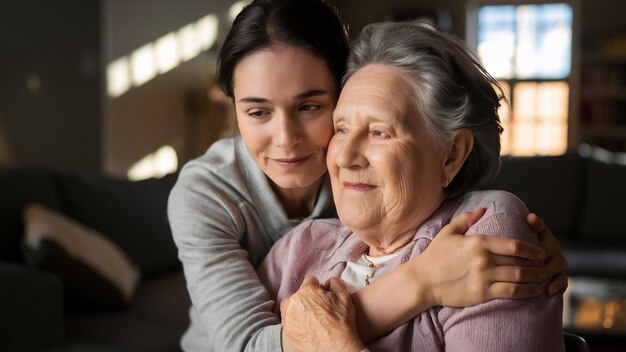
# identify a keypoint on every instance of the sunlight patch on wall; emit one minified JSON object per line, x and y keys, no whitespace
{"x":160,"y":56}
{"x":118,"y":77}
{"x":158,"y":164}
{"x":166,"y":50}
{"x":142,"y":65}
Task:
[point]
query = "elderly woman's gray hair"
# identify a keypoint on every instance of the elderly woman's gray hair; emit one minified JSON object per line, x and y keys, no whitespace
{"x":452,"y":90}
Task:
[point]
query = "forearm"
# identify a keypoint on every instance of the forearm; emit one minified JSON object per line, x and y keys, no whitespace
{"x":432,"y":278}
{"x":390,"y":301}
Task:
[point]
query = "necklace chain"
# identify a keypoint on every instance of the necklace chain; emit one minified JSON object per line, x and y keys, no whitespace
{"x":372,"y":270}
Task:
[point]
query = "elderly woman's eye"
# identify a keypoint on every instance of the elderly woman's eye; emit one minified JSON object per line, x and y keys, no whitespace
{"x":378,"y":133}
{"x":340,"y":130}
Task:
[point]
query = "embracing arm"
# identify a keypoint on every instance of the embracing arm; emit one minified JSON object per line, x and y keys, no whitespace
{"x":478,"y":273}
{"x":234,"y":307}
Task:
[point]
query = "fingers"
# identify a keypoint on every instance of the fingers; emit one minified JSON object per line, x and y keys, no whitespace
{"x":337,"y":286}
{"x":519,"y":274}
{"x":558,"y":285}
{"x":555,"y":265}
{"x":462,"y":223}
{"x":515,"y":261}
{"x":474,"y":216}
{"x":310,"y":281}
{"x":514,"y":290}
{"x":511,"y":247}
{"x":536,"y":223}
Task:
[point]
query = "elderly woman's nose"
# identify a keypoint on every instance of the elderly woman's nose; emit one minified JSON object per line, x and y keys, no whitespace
{"x":287,"y":131}
{"x":350,"y":153}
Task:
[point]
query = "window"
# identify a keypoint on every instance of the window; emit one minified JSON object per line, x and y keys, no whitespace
{"x":528,"y":48}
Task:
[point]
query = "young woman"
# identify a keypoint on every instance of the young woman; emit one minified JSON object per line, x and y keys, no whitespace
{"x":281,"y":63}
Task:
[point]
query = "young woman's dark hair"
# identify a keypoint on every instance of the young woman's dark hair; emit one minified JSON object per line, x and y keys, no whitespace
{"x":309,"y":24}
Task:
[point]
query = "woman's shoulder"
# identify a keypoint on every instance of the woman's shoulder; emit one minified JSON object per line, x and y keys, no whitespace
{"x":220,"y":156}
{"x":220,"y":167}
{"x":505,"y":215}
{"x":325,"y":234}
{"x":216,"y":181}
{"x":494,"y":201}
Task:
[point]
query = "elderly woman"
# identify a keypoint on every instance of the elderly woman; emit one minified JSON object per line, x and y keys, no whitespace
{"x":416,"y":120}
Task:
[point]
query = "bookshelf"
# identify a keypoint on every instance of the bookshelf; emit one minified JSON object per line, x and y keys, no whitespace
{"x":602,"y":94}
{"x":603,"y":99}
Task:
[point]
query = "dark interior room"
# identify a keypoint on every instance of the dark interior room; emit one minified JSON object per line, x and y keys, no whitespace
{"x":103,"y":102}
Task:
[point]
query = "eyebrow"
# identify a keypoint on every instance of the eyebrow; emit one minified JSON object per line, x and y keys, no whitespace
{"x":310,"y":93}
{"x":305,"y":95}
{"x":253,"y":100}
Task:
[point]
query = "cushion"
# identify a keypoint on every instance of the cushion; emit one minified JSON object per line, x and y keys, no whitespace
{"x":605,"y":204}
{"x":31,"y":303}
{"x":154,"y":322}
{"x":131,"y":214}
{"x":549,"y":185}
{"x":95,"y":272}
{"x":18,"y":187}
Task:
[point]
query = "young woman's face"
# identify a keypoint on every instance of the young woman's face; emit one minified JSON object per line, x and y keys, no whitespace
{"x":284,"y":100}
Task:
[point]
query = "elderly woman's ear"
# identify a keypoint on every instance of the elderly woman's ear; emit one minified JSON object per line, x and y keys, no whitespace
{"x":457,"y":151}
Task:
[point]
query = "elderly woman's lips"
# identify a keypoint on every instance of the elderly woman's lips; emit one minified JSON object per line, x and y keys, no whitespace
{"x":292,"y":163}
{"x":357,"y":186}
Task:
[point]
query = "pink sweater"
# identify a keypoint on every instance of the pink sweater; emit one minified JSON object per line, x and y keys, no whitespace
{"x":322,"y":247}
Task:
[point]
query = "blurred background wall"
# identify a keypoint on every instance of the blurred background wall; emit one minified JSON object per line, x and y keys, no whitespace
{"x":55,"y":107}
{"x":50,"y":103}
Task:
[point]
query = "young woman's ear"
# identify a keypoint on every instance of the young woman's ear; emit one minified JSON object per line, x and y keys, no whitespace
{"x":457,"y":152}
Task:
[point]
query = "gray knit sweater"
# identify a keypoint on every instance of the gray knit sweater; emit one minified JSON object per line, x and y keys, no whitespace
{"x":225,"y":218}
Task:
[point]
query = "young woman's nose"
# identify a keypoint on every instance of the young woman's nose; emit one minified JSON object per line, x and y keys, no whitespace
{"x":287,"y":131}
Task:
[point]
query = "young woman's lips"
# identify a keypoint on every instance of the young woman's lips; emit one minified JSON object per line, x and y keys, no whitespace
{"x":357,"y":186}
{"x":292,"y":163}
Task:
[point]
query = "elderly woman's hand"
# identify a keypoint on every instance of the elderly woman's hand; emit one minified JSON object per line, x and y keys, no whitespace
{"x":318,"y":318}
{"x":482,"y":268}
{"x":556,"y":263}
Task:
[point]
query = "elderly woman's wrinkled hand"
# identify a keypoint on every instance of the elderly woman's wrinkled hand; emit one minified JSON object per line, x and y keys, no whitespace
{"x":320,"y":318}
{"x":482,"y":268}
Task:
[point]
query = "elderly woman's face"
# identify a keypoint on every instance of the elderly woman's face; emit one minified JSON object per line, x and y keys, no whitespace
{"x":385,"y":168}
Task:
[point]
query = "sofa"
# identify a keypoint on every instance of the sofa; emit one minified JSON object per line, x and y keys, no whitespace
{"x":582,"y":197}
{"x":51,"y":301}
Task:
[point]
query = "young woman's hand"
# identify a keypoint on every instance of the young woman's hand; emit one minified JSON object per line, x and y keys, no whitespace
{"x":556,"y":263}
{"x":464,"y":271}
{"x":320,"y":318}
